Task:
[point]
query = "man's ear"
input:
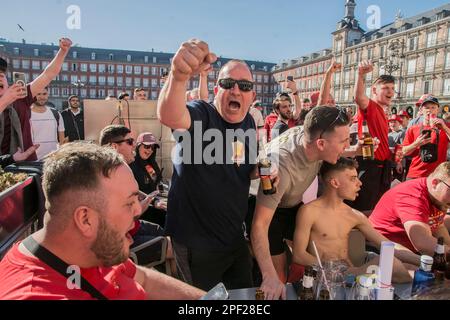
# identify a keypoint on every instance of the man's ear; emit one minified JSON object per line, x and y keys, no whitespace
{"x":334,"y":183}
{"x":434,"y":183}
{"x":86,"y":221}
{"x":320,"y":143}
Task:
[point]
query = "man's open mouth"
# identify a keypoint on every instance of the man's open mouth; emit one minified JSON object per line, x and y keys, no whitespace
{"x":234,"y":105}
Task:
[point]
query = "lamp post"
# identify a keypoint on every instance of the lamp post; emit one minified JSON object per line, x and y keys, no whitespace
{"x":78,"y":84}
{"x":394,"y":61}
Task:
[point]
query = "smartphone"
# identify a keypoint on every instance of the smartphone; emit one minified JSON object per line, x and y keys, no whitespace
{"x":143,"y":195}
{"x":426,"y":133}
{"x":19,"y":78}
{"x":219,"y":292}
{"x":290,"y":78}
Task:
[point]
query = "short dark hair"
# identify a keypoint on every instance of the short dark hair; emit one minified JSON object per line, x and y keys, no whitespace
{"x":384,"y":79}
{"x":123,"y":95}
{"x":113,"y":133}
{"x":341,"y":165}
{"x":281,"y":97}
{"x":3,"y":65}
{"x":74,"y":171}
{"x":72,"y":97}
{"x":324,"y":119}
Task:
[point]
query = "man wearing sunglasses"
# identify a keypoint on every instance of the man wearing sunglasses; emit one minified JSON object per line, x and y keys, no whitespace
{"x":412,"y":214}
{"x":299,"y":155}
{"x":208,"y":201}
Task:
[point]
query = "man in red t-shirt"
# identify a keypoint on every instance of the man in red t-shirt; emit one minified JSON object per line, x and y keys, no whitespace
{"x":272,"y":118}
{"x":375,"y":175}
{"x":432,"y":131}
{"x":92,"y":202}
{"x":23,"y":105}
{"x":412,"y":214}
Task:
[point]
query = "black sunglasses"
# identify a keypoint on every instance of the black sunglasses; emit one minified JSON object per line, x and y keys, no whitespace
{"x":147,"y":147}
{"x":129,"y":141}
{"x":244,"y":85}
{"x":342,"y":116}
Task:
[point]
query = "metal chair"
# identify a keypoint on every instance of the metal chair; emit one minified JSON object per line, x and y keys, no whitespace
{"x":151,"y":253}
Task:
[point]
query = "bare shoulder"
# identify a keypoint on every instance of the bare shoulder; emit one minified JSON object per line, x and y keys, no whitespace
{"x":311,"y":210}
{"x":358,"y":215}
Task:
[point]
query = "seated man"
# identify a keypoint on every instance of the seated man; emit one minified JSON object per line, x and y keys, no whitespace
{"x":328,"y":222}
{"x":413,"y":213}
{"x":92,"y":203}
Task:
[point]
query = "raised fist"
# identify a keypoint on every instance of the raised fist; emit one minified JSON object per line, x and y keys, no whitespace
{"x":65,"y":44}
{"x":365,"y":67}
{"x":192,"y":58}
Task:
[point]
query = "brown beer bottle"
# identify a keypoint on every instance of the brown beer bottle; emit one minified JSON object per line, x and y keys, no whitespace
{"x":260,"y":296}
{"x":439,"y":263}
{"x":367,"y":148}
{"x":305,"y":291}
{"x":264,"y":166}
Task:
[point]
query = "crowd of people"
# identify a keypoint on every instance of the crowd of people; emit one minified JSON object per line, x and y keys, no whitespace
{"x":220,"y":225}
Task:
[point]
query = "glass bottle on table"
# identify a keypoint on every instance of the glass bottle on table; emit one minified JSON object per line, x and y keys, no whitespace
{"x":439,"y":263}
{"x":306,"y":291}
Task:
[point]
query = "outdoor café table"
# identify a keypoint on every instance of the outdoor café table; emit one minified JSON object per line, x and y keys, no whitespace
{"x":403,"y":291}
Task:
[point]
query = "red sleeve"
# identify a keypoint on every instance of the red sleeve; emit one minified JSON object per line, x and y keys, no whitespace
{"x":412,"y":209}
{"x":130,"y":269}
{"x":410,"y":137}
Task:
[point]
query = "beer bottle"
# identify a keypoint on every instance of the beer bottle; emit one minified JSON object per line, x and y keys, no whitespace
{"x":439,"y":263}
{"x":324,"y":294}
{"x":367,"y":148}
{"x":260,"y":296}
{"x":264,"y":166}
{"x":354,"y":134}
{"x":305,"y":291}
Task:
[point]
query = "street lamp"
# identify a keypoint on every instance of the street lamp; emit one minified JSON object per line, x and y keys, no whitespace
{"x":78,"y":84}
{"x":394,"y":60}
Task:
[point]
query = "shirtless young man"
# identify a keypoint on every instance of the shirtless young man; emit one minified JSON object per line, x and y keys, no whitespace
{"x":328,"y":222}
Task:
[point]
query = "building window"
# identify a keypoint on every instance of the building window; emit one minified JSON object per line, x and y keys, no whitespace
{"x":347,"y":59}
{"x":64,"y":78}
{"x":447,"y":87}
{"x":16,"y":64}
{"x":93,"y":93}
{"x":137,"y":82}
{"x":337,"y":78}
{"x":75,"y":55}
{"x":429,"y":63}
{"x":93,"y":67}
{"x":101,"y":68}
{"x":101,"y":93}
{"x":154,"y":95}
{"x":36,"y":65}
{"x":111,"y":93}
{"x":346,"y":94}
{"x":369,"y":91}
{"x":347,"y":76}
{"x":146,"y":59}
{"x":146,"y":71}
{"x":128,"y":58}
{"x":369,"y":53}
{"x":55,"y":92}
{"x":73,"y":79}
{"x":119,"y":81}
{"x":412,"y":66}
{"x":93,"y":79}
{"x":137,"y":70}
{"x":83,"y":93}
{"x":154,"y":83}
{"x":154,"y":59}
{"x":111,"y":57}
{"x":154,"y":71}
{"x":410,"y":90}
{"x":111,"y":68}
{"x":382,"y":51}
{"x":447,"y":60}
{"x":129,"y":82}
{"x":65,"y":92}
{"x":413,"y":43}
{"x":431,"y":39}
{"x":93,"y":56}
{"x":65,"y":66}
{"x":428,"y":87}
{"x":83,"y":79}
{"x":128,"y":69}
{"x":120,"y":68}
{"x":338,"y":45}
{"x":36,"y":52}
{"x":16,"y":51}
{"x":110,"y":81}
{"x":102,"y":80}
{"x":145,"y":83}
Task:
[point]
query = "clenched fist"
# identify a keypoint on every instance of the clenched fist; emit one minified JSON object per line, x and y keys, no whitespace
{"x":192,"y":58}
{"x":365,"y":67}
{"x":334,"y":67}
{"x":65,"y":44}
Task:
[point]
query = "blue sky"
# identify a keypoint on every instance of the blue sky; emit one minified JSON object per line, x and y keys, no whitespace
{"x":248,"y":29}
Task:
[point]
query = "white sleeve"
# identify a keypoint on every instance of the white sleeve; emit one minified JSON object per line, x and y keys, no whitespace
{"x":61,"y":127}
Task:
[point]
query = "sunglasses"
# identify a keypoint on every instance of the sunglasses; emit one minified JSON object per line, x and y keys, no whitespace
{"x":244,"y":85}
{"x":146,"y":147}
{"x":342,"y":116}
{"x":128,"y":141}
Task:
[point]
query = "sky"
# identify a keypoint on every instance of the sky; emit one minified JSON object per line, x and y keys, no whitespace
{"x":269,"y":31}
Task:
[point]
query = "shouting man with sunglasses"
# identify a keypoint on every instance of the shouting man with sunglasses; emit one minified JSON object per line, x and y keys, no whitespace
{"x":208,"y":199}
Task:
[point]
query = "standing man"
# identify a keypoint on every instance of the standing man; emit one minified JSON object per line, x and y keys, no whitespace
{"x":208,"y":199}
{"x":73,"y":120}
{"x":282,"y":106}
{"x":23,"y":105}
{"x":325,"y":137}
{"x":140,"y":94}
{"x":376,"y":175}
{"x":47,"y":126}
